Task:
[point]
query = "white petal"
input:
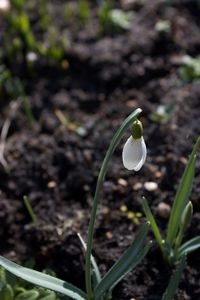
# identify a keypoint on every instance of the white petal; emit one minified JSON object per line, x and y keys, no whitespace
{"x":134,"y":153}
{"x":4,"y":6}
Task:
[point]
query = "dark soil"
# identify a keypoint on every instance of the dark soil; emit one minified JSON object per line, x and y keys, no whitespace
{"x":57,"y":167}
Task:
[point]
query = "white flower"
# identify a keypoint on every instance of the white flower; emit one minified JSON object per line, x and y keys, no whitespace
{"x":134,"y":153}
{"x":31,"y":56}
{"x":4,"y":6}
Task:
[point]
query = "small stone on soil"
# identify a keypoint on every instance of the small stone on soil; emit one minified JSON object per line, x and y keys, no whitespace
{"x":150,"y":186}
{"x":109,"y":235}
{"x":158,"y":174}
{"x":163,"y":210}
{"x":122,"y":182}
{"x":51,"y":184}
{"x":137,"y":186}
{"x":131,"y":103}
{"x":183,"y":160}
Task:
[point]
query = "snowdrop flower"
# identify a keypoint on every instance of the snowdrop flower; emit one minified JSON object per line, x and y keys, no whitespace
{"x":4,"y":6}
{"x":31,"y":56}
{"x":134,"y":151}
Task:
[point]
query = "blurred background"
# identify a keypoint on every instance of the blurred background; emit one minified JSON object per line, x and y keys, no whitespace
{"x":70,"y":72}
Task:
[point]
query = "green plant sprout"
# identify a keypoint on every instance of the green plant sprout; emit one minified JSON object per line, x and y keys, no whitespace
{"x":20,"y":40}
{"x":78,"y":13}
{"x":73,"y":126}
{"x":163,"y":26}
{"x":113,"y":20}
{"x":98,"y":287}
{"x":175,"y":279}
{"x":28,"y":111}
{"x":190,"y":69}
{"x":30,"y":210}
{"x":68,"y":12}
{"x":181,"y":214}
{"x":83,"y":11}
{"x":163,"y":113}
{"x":13,"y":289}
{"x":10,"y":86}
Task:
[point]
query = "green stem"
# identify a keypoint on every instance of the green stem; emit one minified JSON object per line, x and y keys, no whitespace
{"x":153,"y":223}
{"x":30,"y":210}
{"x":115,"y":141}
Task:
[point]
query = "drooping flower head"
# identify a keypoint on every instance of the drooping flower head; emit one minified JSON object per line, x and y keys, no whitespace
{"x":4,"y":6}
{"x":134,"y":151}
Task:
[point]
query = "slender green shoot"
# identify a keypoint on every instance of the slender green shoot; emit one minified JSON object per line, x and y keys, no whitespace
{"x":152,"y":221}
{"x":28,"y":111}
{"x":30,"y":210}
{"x":180,"y":217}
{"x":182,"y":196}
{"x":175,"y":279}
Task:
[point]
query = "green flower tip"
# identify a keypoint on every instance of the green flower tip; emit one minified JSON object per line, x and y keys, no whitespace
{"x":137,"y":130}
{"x":187,"y":215}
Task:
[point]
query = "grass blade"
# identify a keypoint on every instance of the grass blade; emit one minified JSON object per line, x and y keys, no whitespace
{"x":182,"y":195}
{"x":93,"y":262}
{"x":43,"y":280}
{"x":190,"y":246}
{"x":153,"y":224}
{"x":174,"y":280}
{"x":122,"y":266}
{"x":30,"y":210}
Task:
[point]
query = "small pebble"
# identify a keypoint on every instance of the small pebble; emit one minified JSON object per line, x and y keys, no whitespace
{"x":150,"y":186}
{"x":81,"y":131}
{"x":163,"y":210}
{"x":122,"y":182}
{"x":86,"y":187}
{"x":59,"y":231}
{"x":137,"y":186}
{"x":131,"y":103}
{"x":174,"y":127}
{"x":158,"y":174}
{"x":65,"y":64}
{"x":109,"y":235}
{"x":51,"y":184}
{"x":105,"y":210}
{"x":130,"y":215}
{"x":123,"y":209}
{"x":183,"y":160}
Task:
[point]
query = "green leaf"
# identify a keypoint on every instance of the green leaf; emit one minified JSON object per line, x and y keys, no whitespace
{"x":153,"y":224}
{"x":182,"y":196}
{"x":47,"y":294}
{"x":190,"y":246}
{"x":174,"y":280}
{"x":136,"y":261}
{"x":97,"y":275}
{"x":30,"y":295}
{"x":121,"y":19}
{"x":48,"y":297}
{"x":25,"y":198}
{"x":185,"y":221}
{"x":122,"y":266}
{"x":7,"y":293}
{"x":43,"y":280}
